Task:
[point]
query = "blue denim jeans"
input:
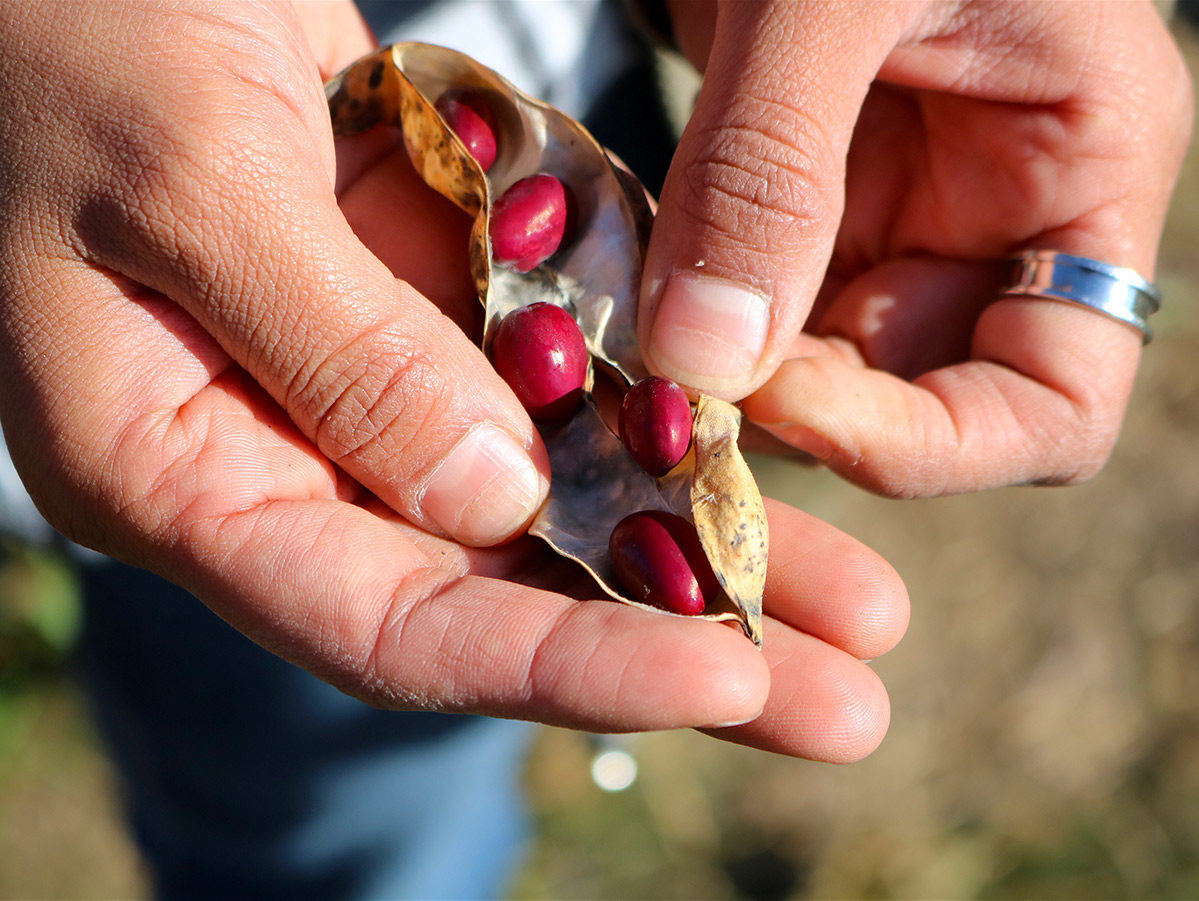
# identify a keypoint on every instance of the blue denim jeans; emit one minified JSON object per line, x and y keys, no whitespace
{"x":245,"y":777}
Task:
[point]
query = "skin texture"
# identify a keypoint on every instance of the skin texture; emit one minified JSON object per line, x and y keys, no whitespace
{"x":232,"y":351}
{"x":851,"y":175}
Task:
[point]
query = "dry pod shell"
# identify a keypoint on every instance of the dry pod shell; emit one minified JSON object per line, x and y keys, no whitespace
{"x":594,"y":276}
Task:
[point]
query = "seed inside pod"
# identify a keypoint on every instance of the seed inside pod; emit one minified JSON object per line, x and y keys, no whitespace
{"x":471,"y":119}
{"x":540,"y":352}
{"x":659,"y":561}
{"x":655,"y":424}
{"x":529,"y":222}
{"x":595,"y":273}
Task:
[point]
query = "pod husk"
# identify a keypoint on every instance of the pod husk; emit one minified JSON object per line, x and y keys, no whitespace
{"x":596,"y":277}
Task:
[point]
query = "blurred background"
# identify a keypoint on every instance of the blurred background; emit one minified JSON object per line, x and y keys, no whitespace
{"x":1044,"y":740}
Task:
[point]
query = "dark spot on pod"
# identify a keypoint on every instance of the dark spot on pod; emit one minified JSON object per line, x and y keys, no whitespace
{"x":376,"y":76}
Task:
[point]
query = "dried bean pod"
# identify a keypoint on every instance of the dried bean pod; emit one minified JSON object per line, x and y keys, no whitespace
{"x":598,"y":275}
{"x":728,"y":510}
{"x":595,"y":276}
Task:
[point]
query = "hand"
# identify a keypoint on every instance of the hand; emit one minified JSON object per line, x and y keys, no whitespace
{"x":209,"y":369}
{"x":856,"y":170}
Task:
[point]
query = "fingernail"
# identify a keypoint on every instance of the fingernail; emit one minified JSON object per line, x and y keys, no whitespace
{"x":485,"y":489}
{"x":709,"y":334}
{"x":729,"y":724}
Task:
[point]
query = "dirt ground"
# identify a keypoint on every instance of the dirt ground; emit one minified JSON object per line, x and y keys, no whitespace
{"x":1044,"y":739}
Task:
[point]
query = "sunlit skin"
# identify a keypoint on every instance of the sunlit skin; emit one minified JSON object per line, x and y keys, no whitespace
{"x":859,"y":169}
{"x":241,"y":354}
{"x":257,"y":408}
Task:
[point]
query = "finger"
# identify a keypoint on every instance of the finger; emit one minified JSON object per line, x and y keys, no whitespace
{"x":241,"y":228}
{"x":1041,"y":402}
{"x":336,"y":33}
{"x":408,"y":225}
{"x":1042,"y":395}
{"x":405,"y":630}
{"x":751,"y":204}
{"x":858,"y":605}
{"x":162,"y":453}
{"x":911,"y":315}
{"x":824,"y":704}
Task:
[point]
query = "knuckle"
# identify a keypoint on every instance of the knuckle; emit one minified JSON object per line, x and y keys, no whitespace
{"x":376,"y":395}
{"x":764,"y":178}
{"x":139,"y":192}
{"x":1077,"y":446}
{"x":555,"y":674}
{"x":413,"y":656}
{"x":1178,"y":107}
{"x":170,"y":192}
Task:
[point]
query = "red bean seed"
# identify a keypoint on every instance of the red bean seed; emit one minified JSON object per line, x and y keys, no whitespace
{"x":471,"y":119}
{"x":529,"y":222}
{"x":655,"y":424}
{"x":540,"y":352}
{"x":658,"y":560}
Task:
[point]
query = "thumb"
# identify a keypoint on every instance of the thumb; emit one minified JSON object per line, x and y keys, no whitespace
{"x":238,"y":224}
{"x":752,"y":202}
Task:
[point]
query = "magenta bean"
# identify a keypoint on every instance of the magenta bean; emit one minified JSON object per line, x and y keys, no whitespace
{"x":659,"y":560}
{"x":470,"y":118}
{"x":655,"y":424}
{"x":529,"y":222}
{"x":540,"y":352}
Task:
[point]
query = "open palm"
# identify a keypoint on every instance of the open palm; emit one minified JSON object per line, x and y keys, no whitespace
{"x":211,"y":368}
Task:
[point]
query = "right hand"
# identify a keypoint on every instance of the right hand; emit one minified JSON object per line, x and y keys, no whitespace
{"x":829,"y":241}
{"x":208,"y":373}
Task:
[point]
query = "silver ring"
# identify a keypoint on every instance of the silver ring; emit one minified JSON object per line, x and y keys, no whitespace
{"x":1119,"y":292}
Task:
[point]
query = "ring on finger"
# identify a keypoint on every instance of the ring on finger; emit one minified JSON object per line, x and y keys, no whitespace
{"x":1116,"y":291}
